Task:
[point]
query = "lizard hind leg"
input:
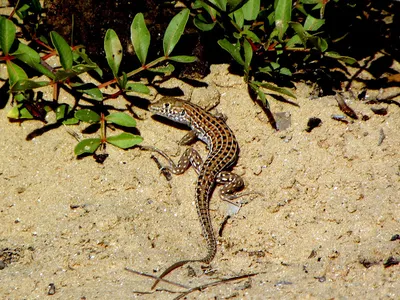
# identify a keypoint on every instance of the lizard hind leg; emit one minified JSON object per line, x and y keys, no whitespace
{"x":232,"y":184}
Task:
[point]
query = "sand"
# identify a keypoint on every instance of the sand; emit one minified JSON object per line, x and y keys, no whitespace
{"x":321,"y":229}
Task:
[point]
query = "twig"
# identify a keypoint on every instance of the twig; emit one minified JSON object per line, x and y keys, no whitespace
{"x":157,"y":278}
{"x":344,"y":107}
{"x":203,"y":287}
{"x":381,"y":137}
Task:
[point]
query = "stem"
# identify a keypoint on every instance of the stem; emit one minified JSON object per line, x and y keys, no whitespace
{"x":14,"y":10}
{"x":134,"y":72}
{"x":102,"y":128}
{"x":7,"y":57}
{"x":43,"y":45}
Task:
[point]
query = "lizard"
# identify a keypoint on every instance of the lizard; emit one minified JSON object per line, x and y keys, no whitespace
{"x":223,"y":153}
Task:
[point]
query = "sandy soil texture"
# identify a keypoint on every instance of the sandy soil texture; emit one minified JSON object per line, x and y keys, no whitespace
{"x":321,"y":230}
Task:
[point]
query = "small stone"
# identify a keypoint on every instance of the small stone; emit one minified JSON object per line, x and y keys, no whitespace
{"x":2,"y":265}
{"x":20,"y":190}
{"x":52,"y":289}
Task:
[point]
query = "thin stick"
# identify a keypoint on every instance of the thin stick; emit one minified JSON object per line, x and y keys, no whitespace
{"x":203,"y":287}
{"x":157,"y":278}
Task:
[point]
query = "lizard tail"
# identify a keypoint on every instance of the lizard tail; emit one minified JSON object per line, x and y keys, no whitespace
{"x":169,"y":270}
{"x":203,"y":192}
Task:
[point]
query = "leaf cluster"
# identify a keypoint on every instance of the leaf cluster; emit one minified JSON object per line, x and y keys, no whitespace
{"x":260,"y":36}
{"x":22,"y":59}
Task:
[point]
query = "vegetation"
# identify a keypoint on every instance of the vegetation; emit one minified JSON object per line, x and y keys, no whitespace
{"x":268,"y":41}
{"x":74,"y":61}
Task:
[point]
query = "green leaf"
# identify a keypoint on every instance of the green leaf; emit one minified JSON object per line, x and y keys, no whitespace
{"x":42,"y":69}
{"x":274,"y":88}
{"x":121,"y":119}
{"x":82,"y":53}
{"x":122,"y":80}
{"x":168,"y":69}
{"x":302,"y":34}
{"x":15,"y":73}
{"x":346,"y":59}
{"x":319,"y":6}
{"x":87,"y":146}
{"x":263,"y":98}
{"x":124,"y":140}
{"x":19,"y":112}
{"x":62,"y":113}
{"x":260,"y":94}
{"x":26,"y":9}
{"x":313,"y":24}
{"x":285,"y":71}
{"x":7,"y":34}
{"x":234,"y":5}
{"x":237,"y":35}
{"x":319,"y":43}
{"x":200,"y":22}
{"x":89,"y":89}
{"x":62,"y":75}
{"x":87,"y":115}
{"x":27,"y":55}
{"x":183,"y":58}
{"x":140,"y":37}
{"x":233,"y":50}
{"x":70,"y":121}
{"x":322,"y":44}
{"x":20,"y":97}
{"x":294,"y":40}
{"x":23,"y":11}
{"x":94,"y":93}
{"x":81,"y":68}
{"x":113,"y":49}
{"x":251,"y":10}
{"x":222,"y":4}
{"x":197,"y":5}
{"x":311,"y":1}
{"x":300,"y":8}
{"x":137,"y":87}
{"x":26,"y":84}
{"x":283,"y":13}
{"x":266,"y":70}
{"x":174,"y":31}
{"x":63,"y":50}
{"x":251,"y":35}
{"x":248,"y":54}
{"x":275,"y":65}
{"x":239,"y":17}
{"x":13,"y":113}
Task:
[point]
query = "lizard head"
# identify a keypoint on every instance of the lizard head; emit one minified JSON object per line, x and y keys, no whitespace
{"x":171,"y":108}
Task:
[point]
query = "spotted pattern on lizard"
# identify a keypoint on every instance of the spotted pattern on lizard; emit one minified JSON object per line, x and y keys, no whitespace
{"x":223,"y":153}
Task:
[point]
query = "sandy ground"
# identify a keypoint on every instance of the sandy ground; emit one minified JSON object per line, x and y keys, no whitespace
{"x":321,"y":230}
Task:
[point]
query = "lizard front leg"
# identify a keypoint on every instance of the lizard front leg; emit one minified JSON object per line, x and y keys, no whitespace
{"x":189,"y":158}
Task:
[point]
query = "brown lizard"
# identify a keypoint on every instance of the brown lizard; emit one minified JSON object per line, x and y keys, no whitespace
{"x":223,"y":153}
